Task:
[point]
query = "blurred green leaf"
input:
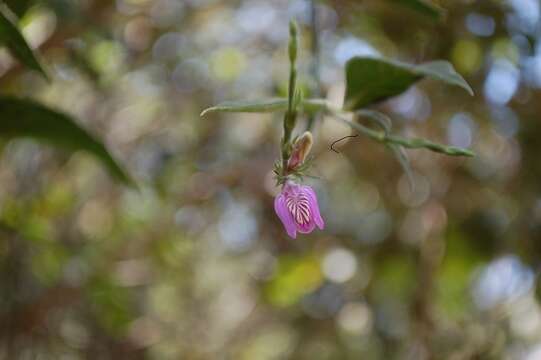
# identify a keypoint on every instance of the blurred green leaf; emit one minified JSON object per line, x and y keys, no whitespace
{"x":11,"y":37}
{"x":255,"y":106}
{"x":425,"y":7}
{"x":369,"y":80}
{"x":20,"y":117}
{"x":266,"y":105}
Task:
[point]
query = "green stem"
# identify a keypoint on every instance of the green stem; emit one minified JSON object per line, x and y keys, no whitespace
{"x":382,"y":137}
{"x":290,"y":117}
{"x":412,"y":143}
{"x":314,"y":66}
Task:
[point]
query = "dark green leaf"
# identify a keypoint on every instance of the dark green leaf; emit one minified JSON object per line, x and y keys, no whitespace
{"x":11,"y":37}
{"x":20,"y":117}
{"x":369,"y":80}
{"x":425,"y":7}
{"x":19,"y":7}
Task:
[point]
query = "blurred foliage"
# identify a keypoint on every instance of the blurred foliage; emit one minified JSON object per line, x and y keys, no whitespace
{"x":194,"y":264}
{"x":426,"y":7}
{"x":26,"y":118}
{"x":11,"y":37}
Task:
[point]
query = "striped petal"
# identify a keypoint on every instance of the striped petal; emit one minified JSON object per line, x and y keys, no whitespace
{"x":297,"y":207}
{"x":285,"y":216}
{"x":314,"y":206}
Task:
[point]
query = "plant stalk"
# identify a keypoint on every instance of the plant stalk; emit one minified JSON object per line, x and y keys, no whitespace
{"x":290,"y":117}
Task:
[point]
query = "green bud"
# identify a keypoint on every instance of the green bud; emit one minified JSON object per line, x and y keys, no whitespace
{"x":292,"y":41}
{"x":297,"y":98}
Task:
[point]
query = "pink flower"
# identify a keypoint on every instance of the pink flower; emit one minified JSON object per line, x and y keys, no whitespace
{"x":298,"y":209}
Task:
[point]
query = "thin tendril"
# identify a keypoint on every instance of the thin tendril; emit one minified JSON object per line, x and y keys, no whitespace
{"x":345,"y":137}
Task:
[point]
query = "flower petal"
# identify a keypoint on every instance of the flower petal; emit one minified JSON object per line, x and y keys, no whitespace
{"x":314,"y":207}
{"x":284,"y":215}
{"x":306,"y":228}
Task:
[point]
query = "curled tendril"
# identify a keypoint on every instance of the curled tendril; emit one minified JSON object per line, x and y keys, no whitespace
{"x":343,"y":138}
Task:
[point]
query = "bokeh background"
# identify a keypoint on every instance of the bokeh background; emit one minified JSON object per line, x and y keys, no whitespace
{"x":195,"y":264}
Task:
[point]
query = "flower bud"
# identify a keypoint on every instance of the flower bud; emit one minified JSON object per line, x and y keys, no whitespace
{"x":292,"y":48}
{"x":301,"y":149}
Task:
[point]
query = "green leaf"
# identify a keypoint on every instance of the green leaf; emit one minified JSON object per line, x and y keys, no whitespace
{"x":370,"y":80}
{"x":255,"y":106}
{"x":425,"y":7}
{"x":11,"y":37}
{"x":267,"y":105}
{"x":20,"y":118}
